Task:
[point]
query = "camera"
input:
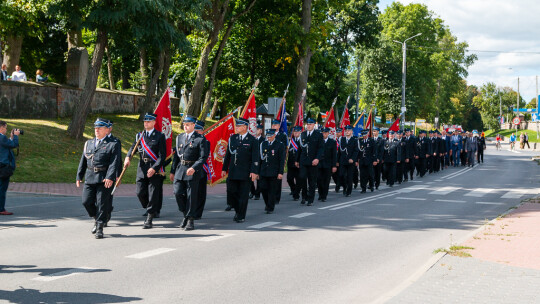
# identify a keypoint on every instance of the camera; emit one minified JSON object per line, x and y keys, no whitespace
{"x":20,"y":130}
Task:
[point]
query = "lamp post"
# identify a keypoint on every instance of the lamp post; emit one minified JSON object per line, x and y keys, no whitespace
{"x":403,"y":77}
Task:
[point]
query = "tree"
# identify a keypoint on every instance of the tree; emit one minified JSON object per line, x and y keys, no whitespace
{"x":489,"y":101}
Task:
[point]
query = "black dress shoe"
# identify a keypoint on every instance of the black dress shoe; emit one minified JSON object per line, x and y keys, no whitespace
{"x":371,"y":189}
{"x":303,"y":202}
{"x":148,"y":222}
{"x":355,"y":186}
{"x":323,"y":200}
{"x":296,"y":199}
{"x":390,"y":186}
{"x":269,"y":212}
{"x":240,"y":220}
{"x":235,"y":218}
{"x":319,"y":199}
{"x":229,"y":208}
{"x":99,"y":231}
{"x":190,"y":225}
{"x":363,"y":191}
{"x":310,"y":204}
{"x":251,"y":195}
{"x":197,"y":218}
{"x":184,"y":222}
{"x":94,"y":229}
{"x":348,"y":195}
{"x":156,"y":215}
{"x":377,"y":187}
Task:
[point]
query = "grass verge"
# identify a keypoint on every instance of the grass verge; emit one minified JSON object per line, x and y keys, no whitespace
{"x":455,"y":250}
{"x":507,"y":133}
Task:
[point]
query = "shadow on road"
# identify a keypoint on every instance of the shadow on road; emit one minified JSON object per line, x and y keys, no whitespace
{"x":34,"y":296}
{"x":4,"y":269}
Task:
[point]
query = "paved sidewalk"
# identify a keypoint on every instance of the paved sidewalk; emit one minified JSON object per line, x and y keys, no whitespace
{"x":504,"y":267}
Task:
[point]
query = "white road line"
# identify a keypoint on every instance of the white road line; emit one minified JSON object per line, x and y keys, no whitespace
{"x":514,"y":151}
{"x":413,"y":188}
{"x":517,"y":193}
{"x":489,"y":203}
{"x":362,"y":202}
{"x":149,"y":253}
{"x":460,"y":171}
{"x":215,"y":237}
{"x":444,"y":190}
{"x":415,"y":181}
{"x":361,"y":199}
{"x":450,"y":201}
{"x":411,"y":198}
{"x":262,"y":225}
{"x":301,"y":215}
{"x":63,"y":274}
{"x":479,"y":192}
{"x":438,"y":180}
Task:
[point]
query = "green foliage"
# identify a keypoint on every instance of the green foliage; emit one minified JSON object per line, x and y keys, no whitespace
{"x":489,"y":103}
{"x":21,"y":17}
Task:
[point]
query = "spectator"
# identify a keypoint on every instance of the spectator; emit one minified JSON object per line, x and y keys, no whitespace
{"x":7,"y":162}
{"x":18,"y":75}
{"x":3,"y":73}
{"x":526,"y":141}
{"x":40,"y":77}
{"x":512,"y":141}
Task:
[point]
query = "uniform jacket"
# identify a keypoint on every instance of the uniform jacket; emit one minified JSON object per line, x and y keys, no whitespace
{"x":456,"y":142}
{"x":392,"y":151}
{"x":102,"y":159}
{"x":293,"y":154}
{"x":281,"y":137}
{"x":447,"y":145}
{"x":422,"y":147}
{"x":329,"y":159}
{"x":242,"y":157}
{"x":471,"y":144}
{"x":403,"y":145}
{"x":310,"y":148}
{"x":366,"y":152}
{"x":272,"y":160}
{"x":378,"y":148}
{"x":120,"y":164}
{"x":434,"y":146}
{"x":411,"y":146}
{"x":347,"y":150}
{"x":194,"y":151}
{"x":6,"y":154}
{"x":156,"y":143}
{"x":481,"y":143}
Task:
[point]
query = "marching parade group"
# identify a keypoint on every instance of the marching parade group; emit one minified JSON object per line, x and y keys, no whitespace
{"x":255,"y":165}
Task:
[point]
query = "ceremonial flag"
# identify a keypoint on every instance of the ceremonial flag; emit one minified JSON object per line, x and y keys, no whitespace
{"x":219,"y":142}
{"x":369,"y":124}
{"x":300,"y":117}
{"x":250,"y":113}
{"x":331,"y":123}
{"x":164,"y":119}
{"x":395,"y":126}
{"x":281,"y":115}
{"x":345,"y":120}
{"x":358,"y":125}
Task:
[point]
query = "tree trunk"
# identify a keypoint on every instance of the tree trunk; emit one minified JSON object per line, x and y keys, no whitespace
{"x":143,"y":64}
{"x":214,"y":108}
{"x":74,"y":39}
{"x":219,"y":10}
{"x":82,"y":108}
{"x":150,"y":101}
{"x":12,"y":52}
{"x":164,"y":81}
{"x":124,"y":74}
{"x":302,"y":69}
{"x":112,"y":85}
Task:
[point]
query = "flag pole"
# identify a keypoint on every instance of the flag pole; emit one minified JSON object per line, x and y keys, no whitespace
{"x":300,"y":104}
{"x":249,"y":98}
{"x":331,"y":108}
{"x":282,"y":99}
{"x":343,"y":114}
{"x":219,"y":122}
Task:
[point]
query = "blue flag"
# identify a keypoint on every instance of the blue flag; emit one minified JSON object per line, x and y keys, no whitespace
{"x":358,"y":126}
{"x":282,"y":117}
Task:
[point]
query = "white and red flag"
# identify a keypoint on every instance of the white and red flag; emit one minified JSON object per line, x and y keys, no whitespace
{"x":250,"y":113}
{"x":331,"y":123}
{"x":164,"y":120}
{"x":345,"y":120}
{"x":219,"y":142}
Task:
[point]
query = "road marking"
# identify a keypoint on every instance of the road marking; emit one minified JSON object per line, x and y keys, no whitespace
{"x":415,"y":181}
{"x":413,"y":188}
{"x":63,"y":274}
{"x":459,"y":172}
{"x":450,"y":201}
{"x":361,"y":199}
{"x":489,"y":203}
{"x":149,"y":253}
{"x":411,"y":198}
{"x":514,"y":151}
{"x":215,"y":237}
{"x":301,"y":215}
{"x":444,"y":190}
{"x":429,"y":183}
{"x":517,"y":193}
{"x":265,"y":224}
{"x":364,"y":201}
{"x":438,"y":180}
{"x":479,"y":192}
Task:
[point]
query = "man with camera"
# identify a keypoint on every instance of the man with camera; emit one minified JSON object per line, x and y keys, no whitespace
{"x":7,"y":161}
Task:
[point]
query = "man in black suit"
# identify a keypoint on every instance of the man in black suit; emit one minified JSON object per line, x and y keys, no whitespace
{"x":366,"y":160}
{"x":400,"y":167}
{"x":327,"y":165}
{"x":152,"y":155}
{"x":335,"y":176}
{"x":242,"y":163}
{"x":293,"y":170}
{"x":203,"y":182}
{"x":98,"y":166}
{"x":311,"y":150}
{"x":186,"y":170}
{"x":377,"y":169}
{"x":347,"y":156}
{"x":391,"y":157}
{"x":422,"y":153}
{"x":255,"y":192}
{"x":271,"y":169}
{"x":411,"y":150}
{"x":118,"y":169}
{"x":284,"y":139}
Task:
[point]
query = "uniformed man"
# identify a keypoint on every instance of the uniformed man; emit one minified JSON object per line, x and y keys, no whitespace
{"x":400,"y":167}
{"x":335,"y":176}
{"x":366,"y":161}
{"x":271,"y":169}
{"x":255,"y":192}
{"x":433,"y":148}
{"x":347,"y":154}
{"x":284,"y":139}
{"x":118,"y":169}
{"x":422,"y":153}
{"x":98,"y":166}
{"x":293,"y":171}
{"x":377,"y":169}
{"x":187,"y":169}
{"x":391,"y":157}
{"x":311,"y":150}
{"x":327,"y":165}
{"x":384,"y":135}
{"x":203,"y":182}
{"x":242,"y":163}
{"x":411,"y":151}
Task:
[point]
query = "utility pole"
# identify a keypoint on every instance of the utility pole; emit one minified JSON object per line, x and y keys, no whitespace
{"x":517,"y":107}
{"x":437,"y":103}
{"x":537,"y":109}
{"x":500,"y":111}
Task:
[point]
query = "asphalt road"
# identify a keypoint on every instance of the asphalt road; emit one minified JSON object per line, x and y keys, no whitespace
{"x":346,"y":250}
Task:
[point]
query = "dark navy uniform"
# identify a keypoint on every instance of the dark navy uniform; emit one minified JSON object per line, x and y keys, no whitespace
{"x":347,"y":156}
{"x":366,"y":157}
{"x":422,"y":151}
{"x":255,"y":191}
{"x":411,"y":152}
{"x":284,"y":140}
{"x":292,"y":171}
{"x":391,"y":155}
{"x":99,"y":161}
{"x":335,"y":176}
{"x":241,"y":159}
{"x":203,"y":181}
{"x":400,"y":168}
{"x":272,"y":164}
{"x":118,"y":172}
{"x":152,"y":154}
{"x":377,"y":169}
{"x":433,"y":155}
{"x":191,"y":152}
{"x":311,"y":147}
{"x":326,"y":165}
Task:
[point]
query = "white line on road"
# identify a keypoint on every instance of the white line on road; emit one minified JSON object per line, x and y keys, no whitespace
{"x":149,"y":253}
{"x":444,"y":190}
{"x":479,"y":192}
{"x":489,"y":203}
{"x":450,"y":201}
{"x":301,"y":215}
{"x":462,"y":171}
{"x":215,"y":237}
{"x":63,"y":274}
{"x":363,"y":201}
{"x":411,"y":198}
{"x":438,"y":180}
{"x":517,"y":193}
{"x":262,"y":225}
{"x":514,"y":151}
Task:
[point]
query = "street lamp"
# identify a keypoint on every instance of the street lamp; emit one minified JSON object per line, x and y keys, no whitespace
{"x":403,"y":77}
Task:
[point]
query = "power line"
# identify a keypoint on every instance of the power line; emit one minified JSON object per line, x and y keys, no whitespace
{"x":419,"y":48}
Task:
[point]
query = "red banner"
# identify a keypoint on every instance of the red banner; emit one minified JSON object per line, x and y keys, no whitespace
{"x":369,"y":124}
{"x":164,"y":120}
{"x":331,"y":123}
{"x":346,"y":120}
{"x":250,"y":113}
{"x":300,"y":117}
{"x":395,"y":126}
{"x":219,"y":142}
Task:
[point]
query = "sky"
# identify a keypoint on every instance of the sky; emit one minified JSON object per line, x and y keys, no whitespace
{"x":505,"y":35}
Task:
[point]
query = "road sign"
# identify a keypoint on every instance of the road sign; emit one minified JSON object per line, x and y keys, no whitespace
{"x":516,"y":121}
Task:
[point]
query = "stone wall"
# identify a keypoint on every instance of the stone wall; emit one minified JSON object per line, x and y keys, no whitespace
{"x":37,"y":100}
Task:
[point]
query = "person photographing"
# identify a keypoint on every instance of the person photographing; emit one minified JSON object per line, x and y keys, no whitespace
{"x":7,"y":162}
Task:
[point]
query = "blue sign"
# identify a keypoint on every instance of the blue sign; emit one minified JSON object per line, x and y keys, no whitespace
{"x":535,"y":117}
